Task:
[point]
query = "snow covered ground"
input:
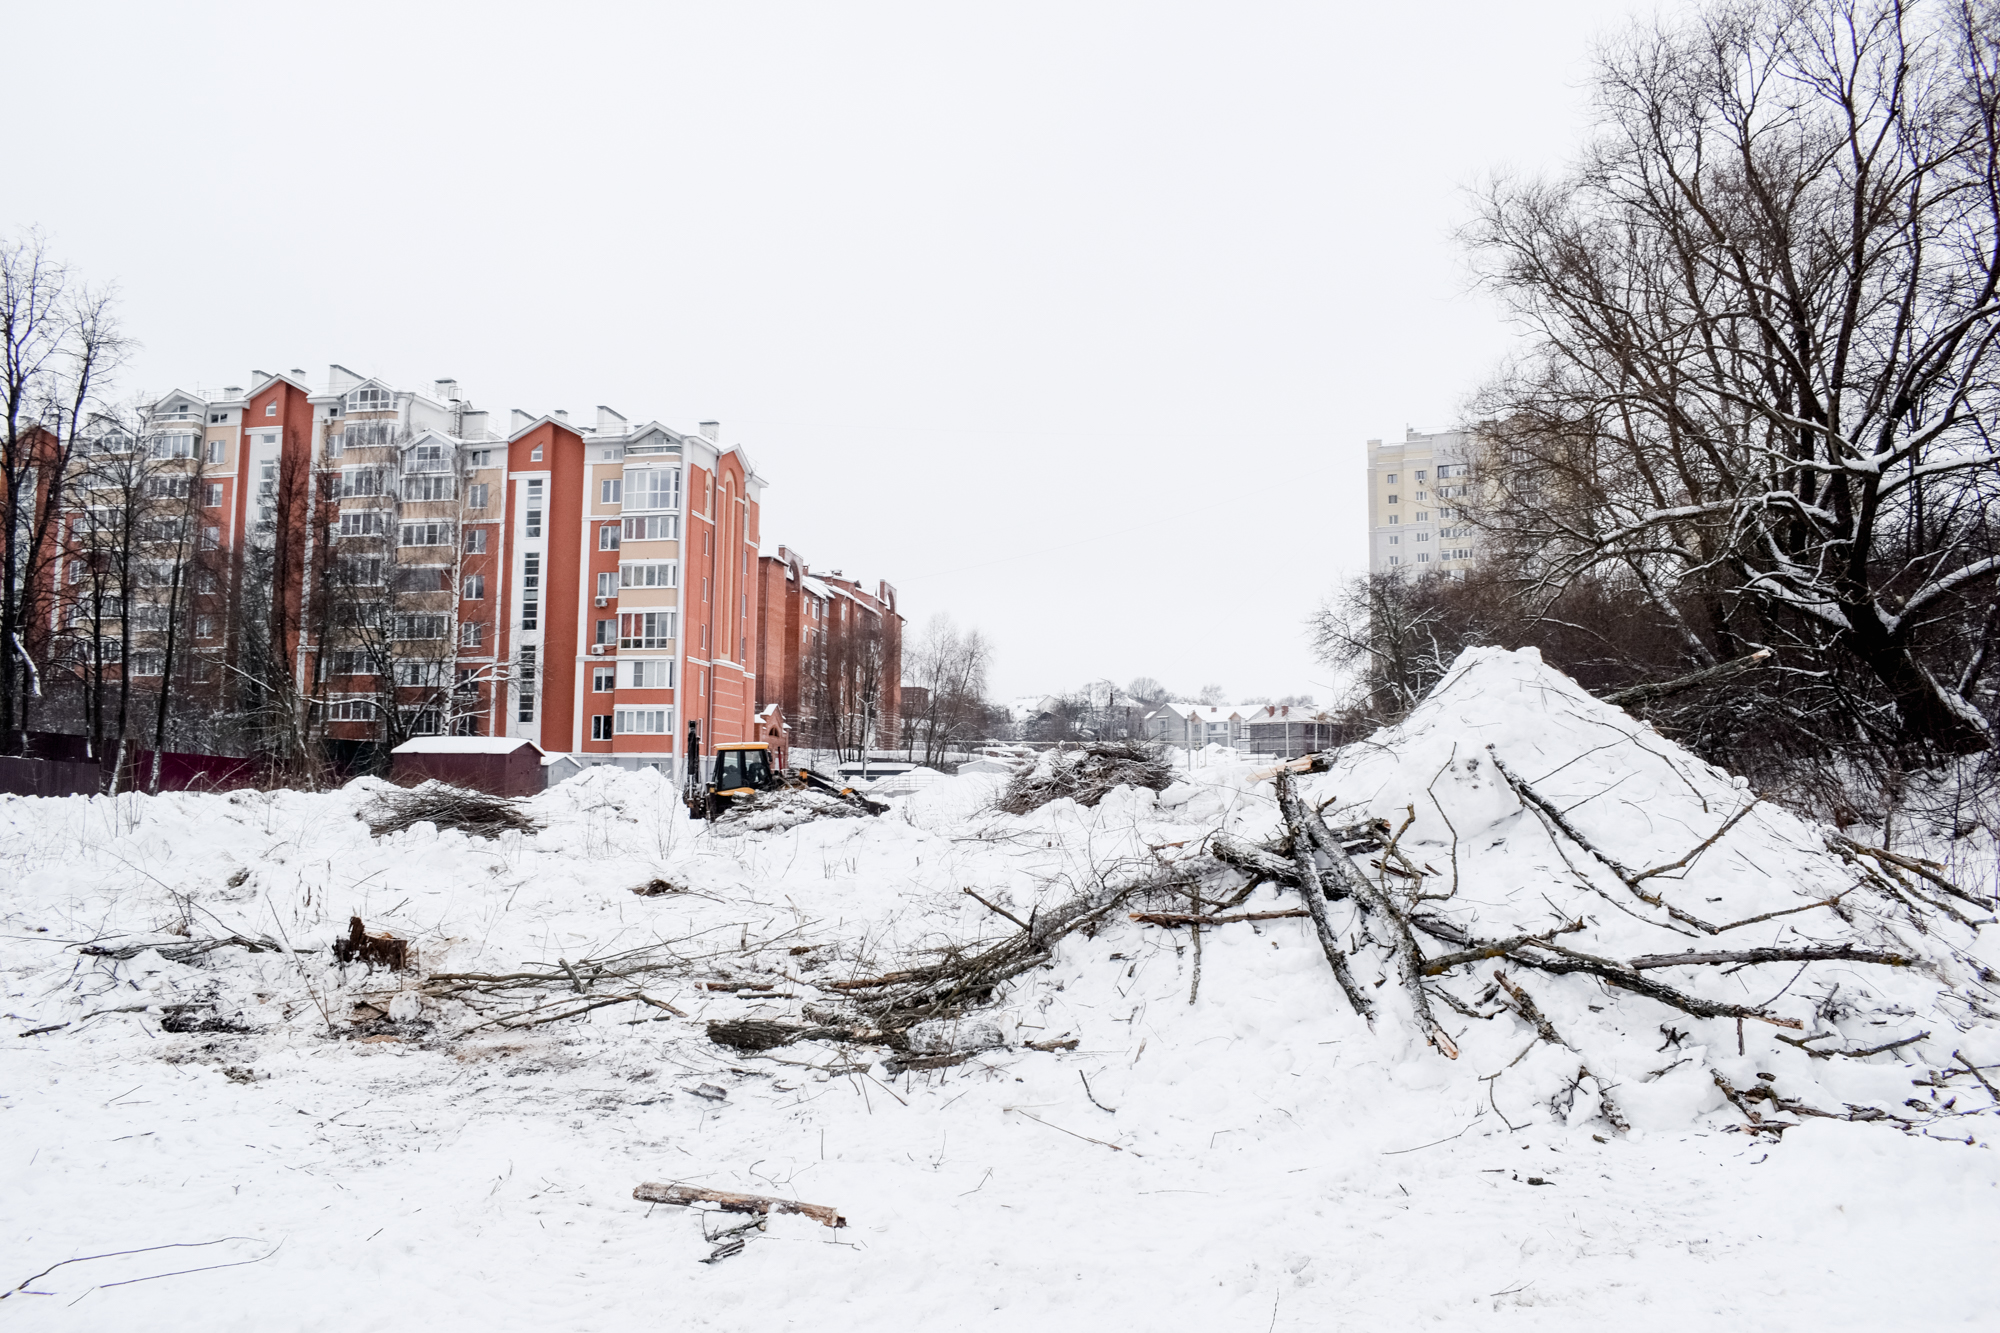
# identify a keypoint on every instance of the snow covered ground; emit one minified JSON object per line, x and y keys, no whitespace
{"x":1257,"y":1159}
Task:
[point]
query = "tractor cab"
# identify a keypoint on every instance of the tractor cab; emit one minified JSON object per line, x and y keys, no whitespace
{"x":739,"y":770}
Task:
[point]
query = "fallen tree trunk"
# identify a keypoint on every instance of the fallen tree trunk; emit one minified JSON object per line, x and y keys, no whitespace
{"x":683,"y":1195}
{"x":1638,"y":694}
{"x":1309,"y":887}
{"x":1198,"y":919}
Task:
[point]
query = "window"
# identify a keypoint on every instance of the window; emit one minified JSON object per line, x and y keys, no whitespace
{"x":600,"y":727}
{"x":475,"y":496}
{"x":414,"y":674}
{"x":427,"y":458}
{"x":653,"y":528}
{"x":425,"y":534}
{"x":607,"y":584}
{"x":1392,"y":479}
{"x":531,"y":590}
{"x":213,"y":496}
{"x":482,"y":458}
{"x":1394,"y":541}
{"x":171,"y":446}
{"x":1447,"y":512}
{"x":360,"y":481}
{"x":534,"y":509}
{"x":169,"y":488}
{"x":1393,"y":520}
{"x":475,"y":588}
{"x":647,"y":629}
{"x":349,"y":662}
{"x":362,"y":571}
{"x":1456,"y":553}
{"x":654,"y":488}
{"x":369,"y":400}
{"x":1423,"y":557}
{"x":350,"y":710}
{"x":336,"y":444}
{"x":606,"y":631}
{"x":1420,"y":474}
{"x":475,"y":541}
{"x":1423,"y":537}
{"x":1392,"y":499}
{"x":524,"y":677}
{"x":650,"y":574}
{"x":163,"y":530}
{"x":1422,"y":516}
{"x":428,"y":487}
{"x":608,"y":490}
{"x":535,"y":454}
{"x":211,"y":538}
{"x":147,"y":663}
{"x":418,"y":626}
{"x":364,"y":523}
{"x":204,"y":670}
{"x":655,"y":675}
{"x":76,"y":571}
{"x":1421,"y":497}
{"x":271,"y":408}
{"x":1453,"y":470}
{"x":1395,"y":559}
{"x":215,"y":451}
{"x":470,"y":633}
{"x":204,"y":627}
{"x":644,"y":721}
{"x":603,"y":679}
{"x":704,"y":588}
{"x":607,"y":538}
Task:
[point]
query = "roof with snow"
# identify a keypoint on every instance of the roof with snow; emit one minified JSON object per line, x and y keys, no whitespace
{"x":465,"y":745}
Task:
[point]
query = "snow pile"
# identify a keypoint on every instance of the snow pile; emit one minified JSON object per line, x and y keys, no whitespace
{"x":1204,"y":1116}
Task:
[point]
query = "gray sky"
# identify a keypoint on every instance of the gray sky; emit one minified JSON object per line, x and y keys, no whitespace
{"x":1068,"y":319}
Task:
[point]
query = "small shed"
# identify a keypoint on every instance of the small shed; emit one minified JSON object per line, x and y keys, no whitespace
{"x":497,"y":765}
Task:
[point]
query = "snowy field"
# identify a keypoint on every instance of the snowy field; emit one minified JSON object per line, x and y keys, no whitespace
{"x":327,"y":1148}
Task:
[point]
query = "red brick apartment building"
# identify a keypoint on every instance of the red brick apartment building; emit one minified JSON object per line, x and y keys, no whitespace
{"x":363,"y":563}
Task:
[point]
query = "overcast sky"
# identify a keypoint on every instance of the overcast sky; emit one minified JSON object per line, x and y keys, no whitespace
{"x":1069,"y":320}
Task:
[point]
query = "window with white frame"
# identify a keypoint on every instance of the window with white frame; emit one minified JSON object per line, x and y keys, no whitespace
{"x":534,"y":509}
{"x":603,"y":679}
{"x":212,"y":497}
{"x":475,"y":496}
{"x":350,"y":710}
{"x":475,"y":541}
{"x":647,"y":629}
{"x":475,"y":588}
{"x":427,"y":458}
{"x":524,"y":681}
{"x":653,"y":528}
{"x":418,"y":627}
{"x":147,"y":663}
{"x":364,"y":522}
{"x":607,"y":584}
{"x":470,"y":634}
{"x":173,"y":445}
{"x":360,"y":481}
{"x":650,"y":574}
{"x":425,"y":534}
{"x":428,"y":486}
{"x":655,"y":674}
{"x":652,"y":489}
{"x":531,"y":590}
{"x":605,"y":631}
{"x":609,"y":490}
{"x":370,"y":400}
{"x":607,"y":538}
{"x":600,"y":727}
{"x":204,"y":627}
{"x":417,"y":674}
{"x":644,"y":721}
{"x":215,"y":448}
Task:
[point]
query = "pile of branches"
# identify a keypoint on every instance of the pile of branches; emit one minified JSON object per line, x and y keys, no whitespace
{"x":1086,"y":774}
{"x":786,"y":807}
{"x":1428,"y":949}
{"x":448,"y":807}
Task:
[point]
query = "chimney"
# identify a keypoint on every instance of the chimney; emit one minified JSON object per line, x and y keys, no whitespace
{"x":298,"y":375}
{"x":473,"y":427}
{"x":447,"y":390}
{"x":711,"y":431}
{"x":258,"y":376}
{"x":560,"y":415}
{"x":232,"y":390}
{"x":517,"y":420}
{"x":609,"y":422}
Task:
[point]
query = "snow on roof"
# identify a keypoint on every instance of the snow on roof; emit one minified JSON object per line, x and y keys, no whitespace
{"x":815,"y":587}
{"x":465,"y":745}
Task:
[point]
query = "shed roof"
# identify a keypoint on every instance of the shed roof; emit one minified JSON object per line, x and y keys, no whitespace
{"x":465,"y":745}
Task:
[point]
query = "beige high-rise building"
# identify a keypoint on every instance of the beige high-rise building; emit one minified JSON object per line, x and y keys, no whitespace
{"x":1416,"y":492}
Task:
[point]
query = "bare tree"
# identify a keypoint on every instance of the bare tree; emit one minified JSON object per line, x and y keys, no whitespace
{"x":948,"y":665}
{"x":1764,"y":306}
{"x":59,"y":341}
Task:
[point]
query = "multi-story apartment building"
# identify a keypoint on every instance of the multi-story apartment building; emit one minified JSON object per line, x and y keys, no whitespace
{"x":1416,"y":495}
{"x":834,"y":654}
{"x":364,"y":563}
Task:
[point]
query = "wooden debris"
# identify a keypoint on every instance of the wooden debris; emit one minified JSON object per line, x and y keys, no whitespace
{"x":683,"y":1196}
{"x":1205,"y":919}
{"x":381,"y":949}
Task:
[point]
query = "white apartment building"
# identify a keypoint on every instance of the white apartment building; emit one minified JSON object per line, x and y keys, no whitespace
{"x":1416,"y":493}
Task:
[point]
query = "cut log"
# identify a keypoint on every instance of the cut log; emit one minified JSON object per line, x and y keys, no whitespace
{"x":1201,"y":919}
{"x":683,"y":1195}
{"x":380,"y":949}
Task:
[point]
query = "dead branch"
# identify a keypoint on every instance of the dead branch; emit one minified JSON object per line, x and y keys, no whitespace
{"x":1315,"y":896}
{"x":1202,"y":919}
{"x":684,"y":1195}
{"x":1525,"y":1005}
{"x":994,"y":907}
{"x":1812,"y":953}
{"x":1849,"y":1055}
{"x":1638,"y":694}
{"x":471,"y":812}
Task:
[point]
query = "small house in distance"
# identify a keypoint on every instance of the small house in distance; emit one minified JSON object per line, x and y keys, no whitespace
{"x":496,"y":765}
{"x":1288,"y":731}
{"x":1192,"y":726}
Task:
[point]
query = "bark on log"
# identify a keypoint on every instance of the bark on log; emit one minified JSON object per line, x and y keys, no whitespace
{"x":683,"y":1195}
{"x":1201,"y":919}
{"x":1315,"y":895}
